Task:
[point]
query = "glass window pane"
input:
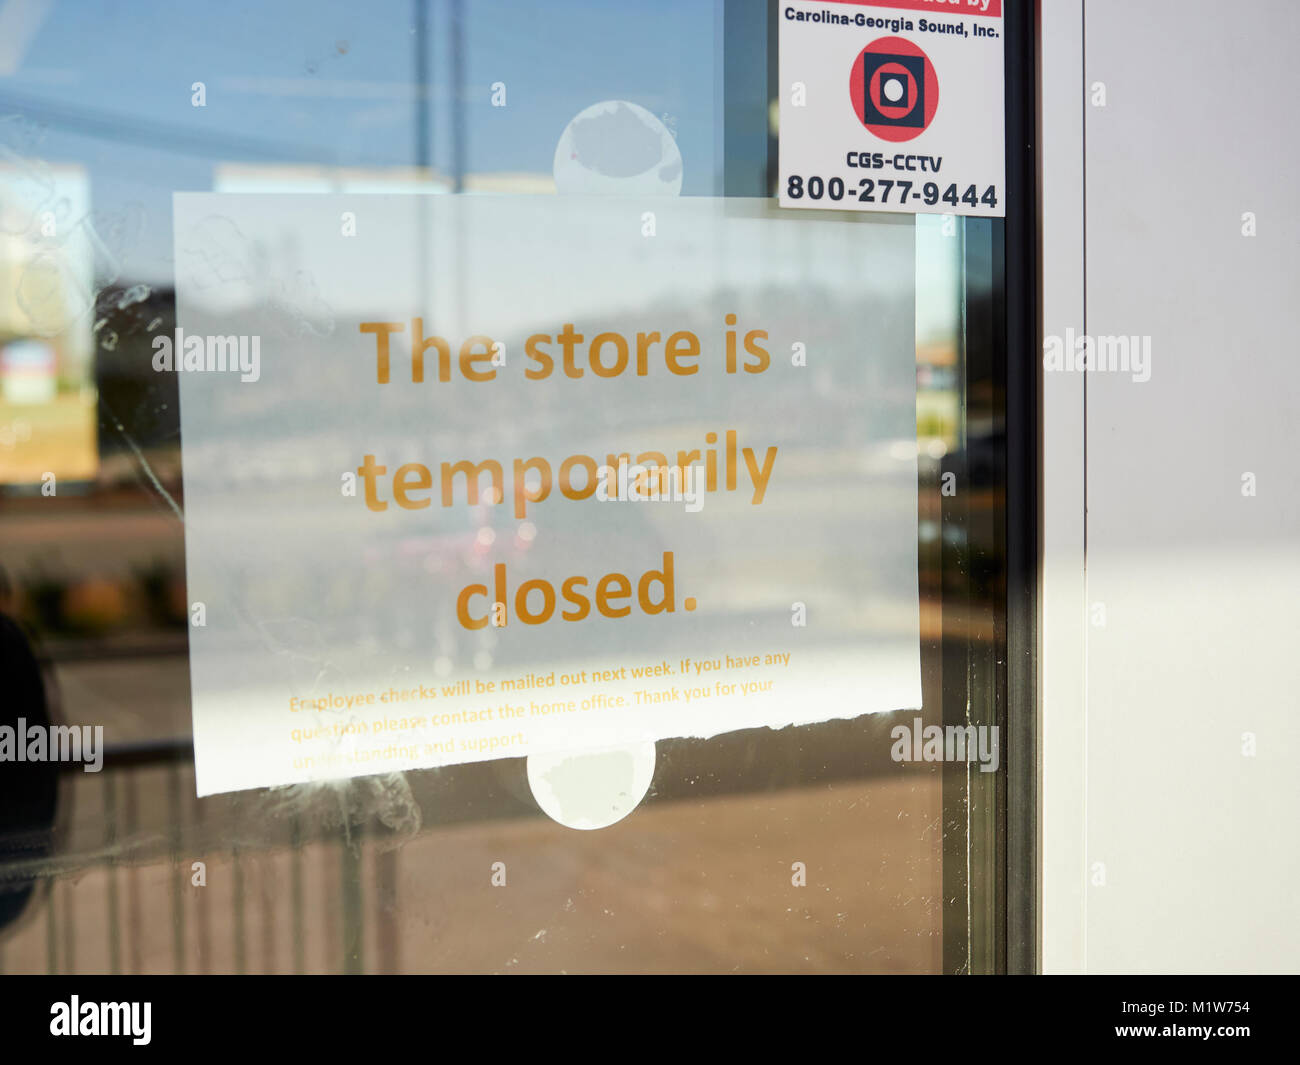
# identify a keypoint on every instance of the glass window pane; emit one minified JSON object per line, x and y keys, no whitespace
{"x":800,"y":848}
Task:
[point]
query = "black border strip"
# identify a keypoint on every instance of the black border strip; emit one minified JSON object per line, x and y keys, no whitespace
{"x":1023,"y":504}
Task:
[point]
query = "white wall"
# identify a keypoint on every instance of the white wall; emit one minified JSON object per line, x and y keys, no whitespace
{"x":1144,"y":718}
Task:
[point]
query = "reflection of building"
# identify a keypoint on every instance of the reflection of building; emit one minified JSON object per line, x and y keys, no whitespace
{"x":28,"y":371}
{"x":939,"y":330}
{"x":47,"y":305}
{"x":938,"y":397}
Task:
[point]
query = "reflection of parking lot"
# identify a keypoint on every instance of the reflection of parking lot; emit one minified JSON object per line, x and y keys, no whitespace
{"x":696,"y":885}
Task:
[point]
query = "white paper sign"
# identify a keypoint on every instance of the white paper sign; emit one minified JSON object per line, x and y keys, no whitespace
{"x":408,"y":520}
{"x":892,"y":105}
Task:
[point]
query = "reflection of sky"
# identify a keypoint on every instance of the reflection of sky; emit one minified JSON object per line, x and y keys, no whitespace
{"x":938,"y":281}
{"x":333,"y":82}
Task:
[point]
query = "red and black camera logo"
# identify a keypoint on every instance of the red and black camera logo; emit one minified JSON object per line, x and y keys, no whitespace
{"x":894,"y":89}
